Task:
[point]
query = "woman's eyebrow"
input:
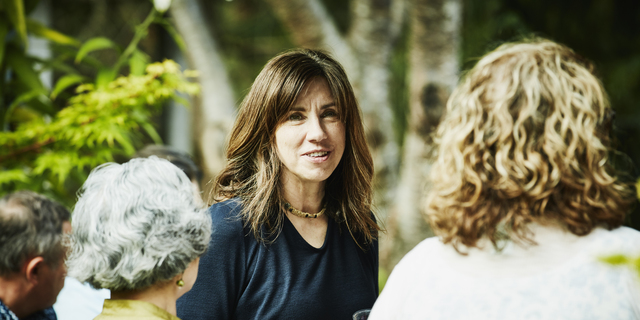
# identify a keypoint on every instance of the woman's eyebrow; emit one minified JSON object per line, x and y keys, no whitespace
{"x":328,"y":105}
{"x":302,"y":109}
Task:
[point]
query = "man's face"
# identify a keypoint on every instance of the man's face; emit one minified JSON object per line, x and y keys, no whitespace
{"x":52,"y":283}
{"x":52,"y":277}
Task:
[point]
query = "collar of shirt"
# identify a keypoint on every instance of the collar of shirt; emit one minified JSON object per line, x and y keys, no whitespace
{"x":46,"y":314}
{"x":5,"y":313}
{"x":133,"y":309}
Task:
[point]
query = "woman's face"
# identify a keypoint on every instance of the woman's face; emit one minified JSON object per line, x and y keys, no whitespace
{"x":310,"y":142}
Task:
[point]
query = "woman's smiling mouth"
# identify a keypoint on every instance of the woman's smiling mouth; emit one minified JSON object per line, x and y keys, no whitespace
{"x":317,"y":154}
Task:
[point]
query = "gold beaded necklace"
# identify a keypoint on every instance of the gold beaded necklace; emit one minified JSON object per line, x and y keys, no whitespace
{"x":302,"y":214}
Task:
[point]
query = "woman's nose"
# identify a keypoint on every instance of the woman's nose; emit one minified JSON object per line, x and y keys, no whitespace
{"x":315,"y":130}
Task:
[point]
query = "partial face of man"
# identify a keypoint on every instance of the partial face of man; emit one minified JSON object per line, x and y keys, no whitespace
{"x":51,"y":277}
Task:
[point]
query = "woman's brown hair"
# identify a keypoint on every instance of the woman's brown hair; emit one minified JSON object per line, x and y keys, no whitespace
{"x":253,"y":170}
{"x":525,"y":138}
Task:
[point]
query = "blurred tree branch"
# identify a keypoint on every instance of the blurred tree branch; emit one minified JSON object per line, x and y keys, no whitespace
{"x":215,"y":110}
{"x":433,"y":74}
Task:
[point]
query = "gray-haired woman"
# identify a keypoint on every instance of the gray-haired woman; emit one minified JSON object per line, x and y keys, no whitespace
{"x":139,"y":232}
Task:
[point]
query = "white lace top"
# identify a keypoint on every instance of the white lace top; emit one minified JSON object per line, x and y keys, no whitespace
{"x":559,"y":278}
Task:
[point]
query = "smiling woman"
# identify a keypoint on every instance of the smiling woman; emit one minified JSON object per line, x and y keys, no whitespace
{"x":310,"y":141}
{"x":295,"y":234}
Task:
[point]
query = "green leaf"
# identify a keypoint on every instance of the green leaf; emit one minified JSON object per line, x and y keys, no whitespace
{"x":21,"y":99}
{"x":65,"y":53}
{"x":174,"y":34}
{"x":4,"y":29}
{"x":152,"y":133}
{"x":15,"y":11}
{"x":43,"y":104}
{"x":23,"y":67}
{"x":59,"y":164}
{"x":138,"y":63}
{"x":14,"y":175}
{"x":34,"y":98}
{"x":104,"y":77}
{"x":615,"y":260}
{"x":181,"y":100}
{"x":40,"y":30}
{"x":59,"y":65}
{"x":23,"y":115}
{"x":65,"y":82}
{"x":94,"y":44}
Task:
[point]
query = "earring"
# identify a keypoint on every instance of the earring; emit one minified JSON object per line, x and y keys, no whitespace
{"x":180,"y":283}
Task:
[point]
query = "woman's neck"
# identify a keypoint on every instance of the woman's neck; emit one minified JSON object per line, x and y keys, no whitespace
{"x":306,"y":197}
{"x":163,"y":295}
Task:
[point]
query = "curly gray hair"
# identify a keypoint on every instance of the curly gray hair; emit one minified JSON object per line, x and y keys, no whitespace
{"x":135,"y":225}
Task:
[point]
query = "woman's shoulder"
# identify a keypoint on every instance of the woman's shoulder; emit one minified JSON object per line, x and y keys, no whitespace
{"x":422,"y":254}
{"x":226,"y":208}
{"x":226,"y":218}
{"x":622,"y":240}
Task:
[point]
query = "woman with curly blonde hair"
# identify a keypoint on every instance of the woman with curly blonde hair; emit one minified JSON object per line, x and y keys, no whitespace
{"x":524,"y":199}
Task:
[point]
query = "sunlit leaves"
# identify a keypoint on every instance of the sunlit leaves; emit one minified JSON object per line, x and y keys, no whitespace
{"x":97,"y":125}
{"x":38,"y":29}
{"x":138,"y":62}
{"x":65,"y":82}
{"x":7,"y":176}
{"x":51,"y":147}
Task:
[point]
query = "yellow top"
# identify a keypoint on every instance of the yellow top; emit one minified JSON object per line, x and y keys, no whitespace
{"x":132,"y":310}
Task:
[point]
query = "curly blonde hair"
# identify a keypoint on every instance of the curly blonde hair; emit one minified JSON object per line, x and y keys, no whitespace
{"x":525,"y":138}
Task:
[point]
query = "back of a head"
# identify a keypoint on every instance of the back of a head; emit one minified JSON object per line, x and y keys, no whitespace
{"x":135,"y":225}
{"x":180,"y":159}
{"x":525,"y":138}
{"x":30,"y":225}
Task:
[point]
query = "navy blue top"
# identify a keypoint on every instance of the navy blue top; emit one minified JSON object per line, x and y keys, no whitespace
{"x":240,"y":278}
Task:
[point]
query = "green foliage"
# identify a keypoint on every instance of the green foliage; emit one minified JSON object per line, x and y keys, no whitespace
{"x":94,"y":44}
{"x":20,"y":83}
{"x":622,"y":260}
{"x":249,"y":34}
{"x":52,"y":138}
{"x":98,"y":124}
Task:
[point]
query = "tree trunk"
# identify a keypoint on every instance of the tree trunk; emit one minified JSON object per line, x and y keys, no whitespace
{"x":435,"y":29}
{"x":311,"y":26}
{"x":374,"y":30}
{"x":215,"y":110}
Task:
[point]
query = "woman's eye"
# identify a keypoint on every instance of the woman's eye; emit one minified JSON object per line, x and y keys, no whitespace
{"x":295,"y":117}
{"x":330,"y":114}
